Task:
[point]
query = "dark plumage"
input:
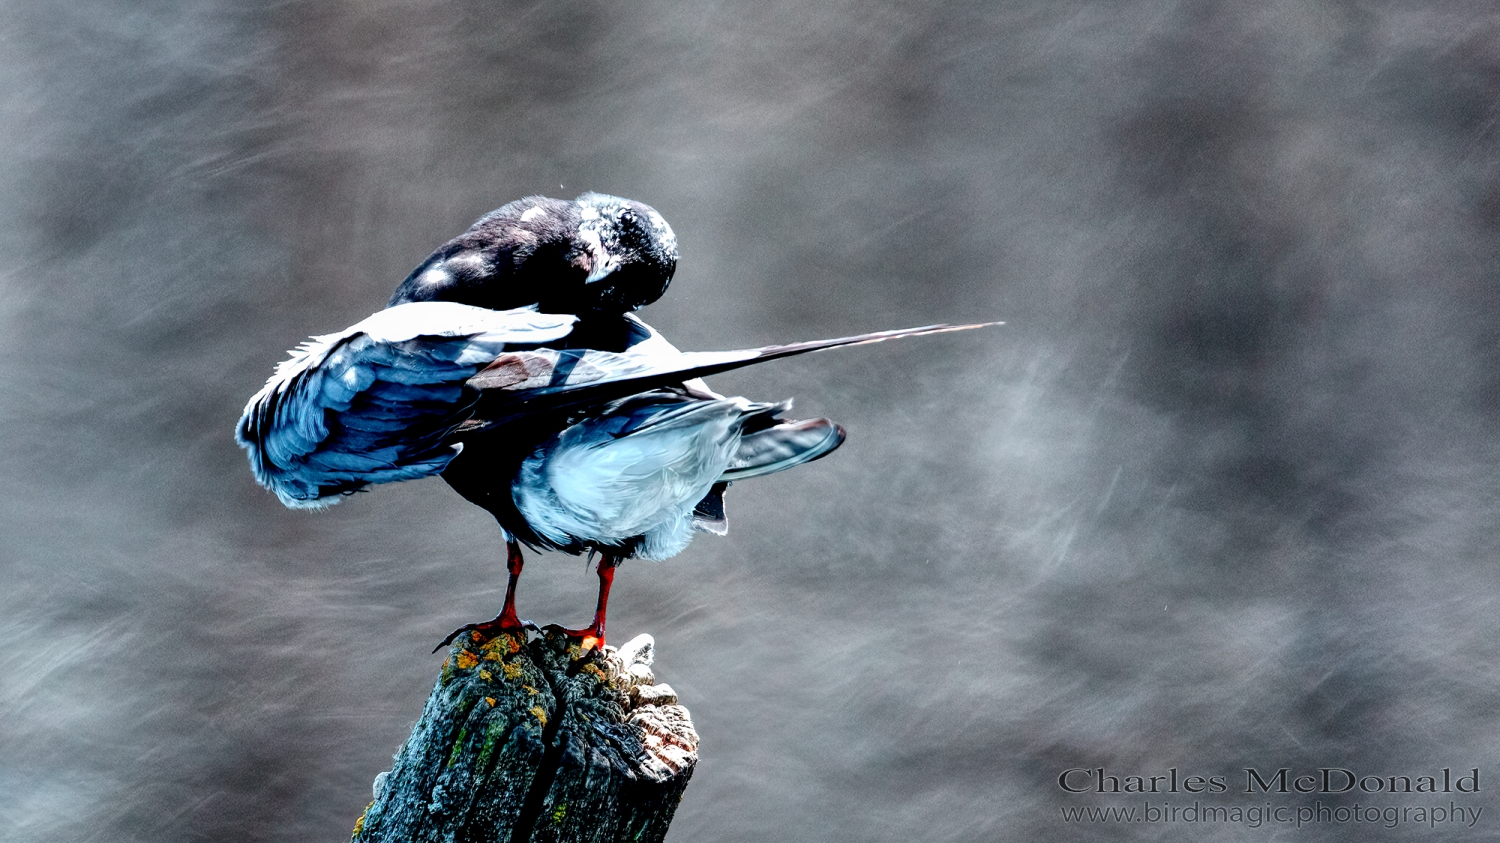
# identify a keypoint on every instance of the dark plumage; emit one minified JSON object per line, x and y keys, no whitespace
{"x":598,"y":255}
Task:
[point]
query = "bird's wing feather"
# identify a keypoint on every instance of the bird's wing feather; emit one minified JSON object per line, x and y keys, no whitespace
{"x":375,"y":402}
{"x":520,"y":383}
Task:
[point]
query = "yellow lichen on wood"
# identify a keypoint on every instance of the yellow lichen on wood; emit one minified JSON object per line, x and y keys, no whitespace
{"x":359,"y":824}
{"x":645,"y":747}
{"x":508,"y":642}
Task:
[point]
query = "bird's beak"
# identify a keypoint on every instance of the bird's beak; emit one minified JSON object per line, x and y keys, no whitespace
{"x":603,"y":266}
{"x":603,"y":262}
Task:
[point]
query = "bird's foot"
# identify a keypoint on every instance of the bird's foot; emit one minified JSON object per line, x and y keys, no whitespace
{"x":587,"y":640}
{"x":499,"y":625}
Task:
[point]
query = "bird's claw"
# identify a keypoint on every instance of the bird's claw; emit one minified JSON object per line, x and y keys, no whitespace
{"x":489,"y":629}
{"x":589,"y":639}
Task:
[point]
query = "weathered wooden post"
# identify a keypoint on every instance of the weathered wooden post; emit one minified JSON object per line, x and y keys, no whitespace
{"x":525,"y":742}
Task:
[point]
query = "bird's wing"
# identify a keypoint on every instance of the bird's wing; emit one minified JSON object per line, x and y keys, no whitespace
{"x":521,"y":383}
{"x":373,"y":403}
{"x":656,"y":344}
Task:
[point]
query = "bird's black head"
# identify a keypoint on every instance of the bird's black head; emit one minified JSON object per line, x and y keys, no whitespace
{"x":633,"y":254}
{"x":597,"y":255}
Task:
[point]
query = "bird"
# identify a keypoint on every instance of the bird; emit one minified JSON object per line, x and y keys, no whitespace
{"x":511,"y":364}
{"x":598,"y":257}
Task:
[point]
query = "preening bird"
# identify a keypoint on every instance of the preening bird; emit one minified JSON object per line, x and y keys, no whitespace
{"x":509,"y":363}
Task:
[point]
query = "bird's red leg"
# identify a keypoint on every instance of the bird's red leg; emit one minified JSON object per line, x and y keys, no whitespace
{"x":592,"y":637}
{"x":507,"y":620}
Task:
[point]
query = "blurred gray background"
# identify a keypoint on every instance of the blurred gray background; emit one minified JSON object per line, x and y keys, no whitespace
{"x":1223,"y":493}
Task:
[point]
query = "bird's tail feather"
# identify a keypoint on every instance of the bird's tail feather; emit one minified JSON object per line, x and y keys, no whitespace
{"x":783,"y":446}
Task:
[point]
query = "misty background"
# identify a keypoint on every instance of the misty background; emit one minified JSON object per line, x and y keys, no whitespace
{"x":1222,"y":493}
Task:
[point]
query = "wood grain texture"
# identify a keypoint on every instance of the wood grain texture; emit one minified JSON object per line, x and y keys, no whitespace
{"x":525,"y":742}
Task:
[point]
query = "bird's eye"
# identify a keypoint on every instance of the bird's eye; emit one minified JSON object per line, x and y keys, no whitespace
{"x":627,"y":216}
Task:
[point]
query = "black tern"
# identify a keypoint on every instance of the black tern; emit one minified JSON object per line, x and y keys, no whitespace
{"x":509,"y":364}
